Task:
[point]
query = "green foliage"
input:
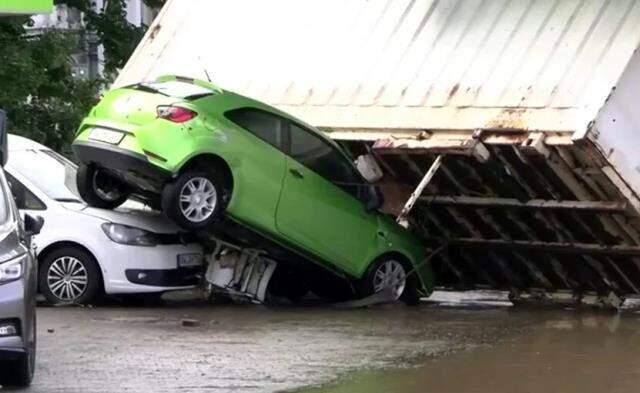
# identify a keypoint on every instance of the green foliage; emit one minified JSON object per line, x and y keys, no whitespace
{"x":117,"y":35}
{"x":43,"y":100}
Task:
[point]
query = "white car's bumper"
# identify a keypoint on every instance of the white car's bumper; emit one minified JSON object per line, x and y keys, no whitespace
{"x":135,"y":269}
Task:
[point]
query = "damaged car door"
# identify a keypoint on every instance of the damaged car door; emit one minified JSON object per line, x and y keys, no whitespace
{"x":321,"y":206}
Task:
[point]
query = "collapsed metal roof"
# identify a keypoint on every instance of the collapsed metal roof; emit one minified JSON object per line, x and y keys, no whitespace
{"x":505,"y":89}
{"x":412,"y":64}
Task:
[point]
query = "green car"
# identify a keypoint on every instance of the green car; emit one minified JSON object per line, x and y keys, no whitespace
{"x":202,"y":154}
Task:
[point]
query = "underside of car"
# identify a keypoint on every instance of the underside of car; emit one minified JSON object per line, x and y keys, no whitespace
{"x":297,"y":272}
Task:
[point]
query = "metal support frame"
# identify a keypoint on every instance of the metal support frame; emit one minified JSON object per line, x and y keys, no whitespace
{"x":463,"y":200}
{"x":553,"y":247}
{"x":402,"y":217}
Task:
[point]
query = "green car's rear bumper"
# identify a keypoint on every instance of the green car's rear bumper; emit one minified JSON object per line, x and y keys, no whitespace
{"x":129,"y":166}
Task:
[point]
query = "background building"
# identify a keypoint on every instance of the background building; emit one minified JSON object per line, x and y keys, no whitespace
{"x":89,"y":58}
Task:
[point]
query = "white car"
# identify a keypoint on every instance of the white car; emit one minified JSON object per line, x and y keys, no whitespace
{"x":84,"y":251}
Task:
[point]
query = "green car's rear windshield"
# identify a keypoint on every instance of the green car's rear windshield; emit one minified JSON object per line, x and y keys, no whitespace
{"x":174,"y":88}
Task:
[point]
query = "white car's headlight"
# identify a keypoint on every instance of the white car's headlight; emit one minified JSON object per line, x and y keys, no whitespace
{"x":132,"y":236}
{"x":11,"y":270}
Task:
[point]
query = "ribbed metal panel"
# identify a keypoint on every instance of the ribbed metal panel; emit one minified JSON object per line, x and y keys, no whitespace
{"x":387,"y":64}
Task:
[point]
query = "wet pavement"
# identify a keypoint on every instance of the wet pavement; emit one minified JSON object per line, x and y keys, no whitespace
{"x":476,"y":346}
{"x":558,"y":350}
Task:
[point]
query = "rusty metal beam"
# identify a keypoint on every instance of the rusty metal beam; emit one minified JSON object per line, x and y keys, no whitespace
{"x":418,"y":191}
{"x":557,"y":267}
{"x":468,"y":260}
{"x":553,"y":247}
{"x":486,"y":217}
{"x":588,"y":175}
{"x":481,"y":202}
{"x":559,"y":227}
{"x":562,"y":169}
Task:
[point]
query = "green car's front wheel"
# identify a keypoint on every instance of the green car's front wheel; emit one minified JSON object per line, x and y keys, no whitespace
{"x":391,"y":273}
{"x":194,"y":200}
{"x":98,"y":189}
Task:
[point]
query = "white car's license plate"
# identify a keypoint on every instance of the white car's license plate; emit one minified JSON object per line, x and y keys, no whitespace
{"x":190,"y":260}
{"x":108,"y":136}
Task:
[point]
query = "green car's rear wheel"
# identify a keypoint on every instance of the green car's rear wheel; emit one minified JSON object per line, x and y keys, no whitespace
{"x":99,"y":189}
{"x":194,"y":200}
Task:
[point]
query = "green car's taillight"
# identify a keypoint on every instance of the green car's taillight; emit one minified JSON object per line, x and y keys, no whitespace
{"x":175,"y":114}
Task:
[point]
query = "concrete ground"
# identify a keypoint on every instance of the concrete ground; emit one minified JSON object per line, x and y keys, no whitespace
{"x":480,"y":345}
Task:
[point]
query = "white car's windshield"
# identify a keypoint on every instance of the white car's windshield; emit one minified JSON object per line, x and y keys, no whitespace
{"x":47,"y":170}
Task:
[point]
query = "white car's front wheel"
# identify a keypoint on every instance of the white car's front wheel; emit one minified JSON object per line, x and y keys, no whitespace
{"x":69,"y":275}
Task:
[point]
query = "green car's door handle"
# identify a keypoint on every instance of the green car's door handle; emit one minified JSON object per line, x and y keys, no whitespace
{"x":296,"y":173}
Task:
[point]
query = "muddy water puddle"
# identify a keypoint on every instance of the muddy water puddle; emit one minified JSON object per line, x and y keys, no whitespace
{"x":561,"y":351}
{"x":473,"y":343}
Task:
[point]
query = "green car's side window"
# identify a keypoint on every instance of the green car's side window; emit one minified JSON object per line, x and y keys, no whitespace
{"x":319,"y":156}
{"x":262,"y":124}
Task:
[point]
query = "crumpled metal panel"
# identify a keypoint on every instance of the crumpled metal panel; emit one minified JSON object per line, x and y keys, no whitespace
{"x":429,"y":64}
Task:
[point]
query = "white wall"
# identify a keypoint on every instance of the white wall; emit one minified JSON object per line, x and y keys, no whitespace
{"x":617,"y":128}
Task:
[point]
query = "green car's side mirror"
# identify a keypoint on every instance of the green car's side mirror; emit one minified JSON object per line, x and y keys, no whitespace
{"x":375,"y":199}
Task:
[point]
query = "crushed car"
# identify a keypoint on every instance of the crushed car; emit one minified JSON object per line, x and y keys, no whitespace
{"x":84,"y":252}
{"x":218,"y":162}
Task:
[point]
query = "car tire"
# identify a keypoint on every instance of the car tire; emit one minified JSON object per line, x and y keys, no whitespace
{"x":80,"y":266}
{"x":383,"y":271}
{"x":98,"y":189}
{"x":288,"y":283}
{"x":19,"y":372}
{"x":194,"y":200}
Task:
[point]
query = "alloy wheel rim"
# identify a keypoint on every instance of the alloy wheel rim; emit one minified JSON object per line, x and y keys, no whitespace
{"x":67,"y":278}
{"x":198,"y":199}
{"x":390,"y":274}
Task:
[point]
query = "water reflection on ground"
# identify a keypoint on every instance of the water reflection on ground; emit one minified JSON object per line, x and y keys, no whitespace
{"x":556,"y":351}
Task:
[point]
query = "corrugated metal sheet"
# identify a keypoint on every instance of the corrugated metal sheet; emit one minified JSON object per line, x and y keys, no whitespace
{"x":418,"y":64}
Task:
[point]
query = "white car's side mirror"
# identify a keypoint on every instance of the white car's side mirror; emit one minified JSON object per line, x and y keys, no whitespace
{"x":369,"y":168}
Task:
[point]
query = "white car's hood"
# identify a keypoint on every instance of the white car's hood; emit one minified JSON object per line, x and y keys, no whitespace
{"x":132,"y":214}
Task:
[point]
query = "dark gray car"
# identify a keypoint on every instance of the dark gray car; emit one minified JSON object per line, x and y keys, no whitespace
{"x":17,"y":284}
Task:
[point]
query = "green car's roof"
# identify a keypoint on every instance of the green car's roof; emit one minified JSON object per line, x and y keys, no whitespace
{"x":240,"y":101}
{"x":225,"y":99}
{"x":198,"y":82}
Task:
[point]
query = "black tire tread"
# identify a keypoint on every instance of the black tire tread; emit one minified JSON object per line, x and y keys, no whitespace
{"x":84,"y":182}
{"x":18,"y":373}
